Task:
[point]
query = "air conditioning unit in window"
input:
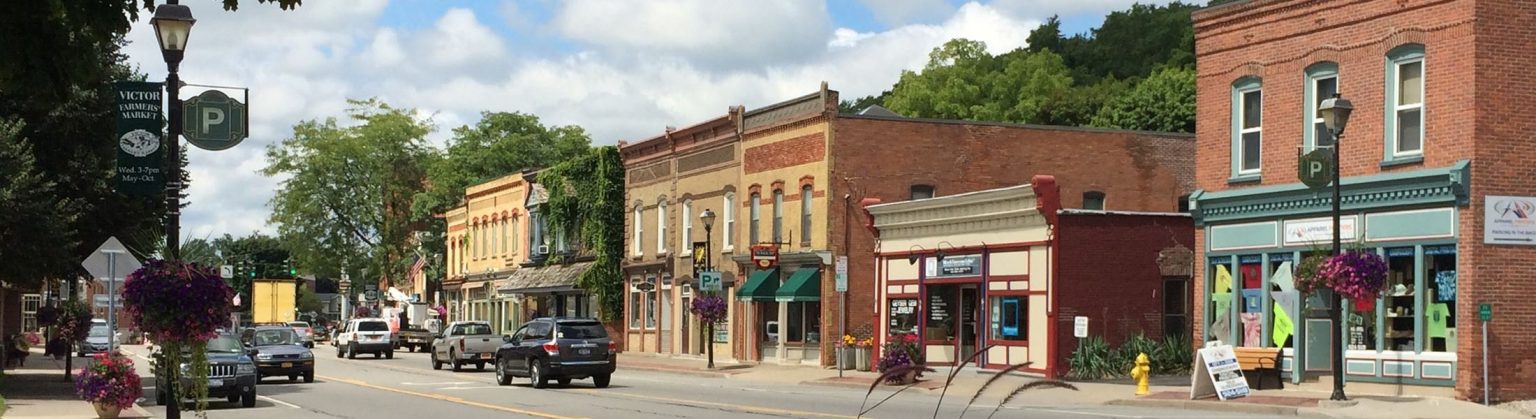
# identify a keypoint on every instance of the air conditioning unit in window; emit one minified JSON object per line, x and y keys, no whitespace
{"x":543,"y":249}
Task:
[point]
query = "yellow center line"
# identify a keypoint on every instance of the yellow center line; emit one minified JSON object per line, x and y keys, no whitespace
{"x":724,"y":406}
{"x":445,"y":398}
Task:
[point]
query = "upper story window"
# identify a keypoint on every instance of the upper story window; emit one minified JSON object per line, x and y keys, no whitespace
{"x":504,"y":236}
{"x":922,"y":191}
{"x":480,"y":245}
{"x":1405,"y":101}
{"x":661,"y":227}
{"x":514,"y":225}
{"x":807,"y":196}
{"x":778,"y":215}
{"x":687,"y":239}
{"x":1247,"y":128}
{"x":1322,"y":83}
{"x":1093,"y":200}
{"x":756,"y":214}
{"x":639,"y":240}
{"x":728,"y":214}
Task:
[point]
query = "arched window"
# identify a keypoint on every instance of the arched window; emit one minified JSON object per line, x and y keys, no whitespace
{"x":778,"y":215}
{"x":639,"y":239}
{"x":756,"y":214}
{"x":807,"y":196}
{"x":728,"y":214}
{"x":661,"y":227}
{"x":687,"y":239}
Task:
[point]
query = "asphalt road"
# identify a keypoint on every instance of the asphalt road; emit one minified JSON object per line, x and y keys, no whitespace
{"x":408,"y":387}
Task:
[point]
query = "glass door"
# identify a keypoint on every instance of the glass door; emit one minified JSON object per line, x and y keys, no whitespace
{"x":970,"y":339}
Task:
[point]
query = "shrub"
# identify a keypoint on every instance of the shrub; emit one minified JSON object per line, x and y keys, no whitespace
{"x":1176,"y":355}
{"x":1094,"y":360}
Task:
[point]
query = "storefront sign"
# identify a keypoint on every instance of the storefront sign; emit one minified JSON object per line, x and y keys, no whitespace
{"x":903,"y":315}
{"x":1217,"y":372}
{"x":140,"y":165}
{"x":969,"y":265}
{"x":766,"y":256}
{"x":1318,"y":230}
{"x":1509,"y":220}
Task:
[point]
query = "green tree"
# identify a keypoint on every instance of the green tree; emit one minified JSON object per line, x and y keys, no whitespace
{"x":962,"y":81}
{"x":1132,"y":43}
{"x":586,"y":195}
{"x":500,"y":144}
{"x":858,"y":105}
{"x":307,"y":302}
{"x":1163,"y":102}
{"x":29,"y":209}
{"x":346,"y":199}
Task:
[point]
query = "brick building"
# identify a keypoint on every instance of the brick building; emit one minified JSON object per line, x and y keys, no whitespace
{"x":1436,"y":152}
{"x":1009,"y":269}
{"x":804,"y":169}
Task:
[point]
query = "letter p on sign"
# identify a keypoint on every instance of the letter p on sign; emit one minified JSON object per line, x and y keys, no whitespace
{"x":211,"y":116}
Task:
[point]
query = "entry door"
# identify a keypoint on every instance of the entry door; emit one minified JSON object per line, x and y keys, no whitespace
{"x":1320,"y":345}
{"x":687,"y":330}
{"x":970,"y":311}
{"x":665,"y":321}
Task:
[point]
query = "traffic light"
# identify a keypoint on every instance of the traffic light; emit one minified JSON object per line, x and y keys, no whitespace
{"x":293,"y":269}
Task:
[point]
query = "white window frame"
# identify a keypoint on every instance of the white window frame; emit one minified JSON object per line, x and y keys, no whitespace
{"x":661,"y":227}
{"x":1242,"y":150}
{"x":687,"y":239}
{"x":639,"y":239}
{"x":807,"y":198}
{"x":729,"y":214}
{"x":1397,"y":92}
{"x":1316,"y":73}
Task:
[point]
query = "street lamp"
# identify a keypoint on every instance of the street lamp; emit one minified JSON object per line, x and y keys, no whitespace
{"x":173,"y":25}
{"x":1335,"y":112}
{"x":708,"y":217}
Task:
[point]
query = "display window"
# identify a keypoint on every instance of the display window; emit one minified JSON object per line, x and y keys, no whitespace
{"x":1218,"y":323}
{"x":943,"y":301}
{"x":1009,"y":322}
{"x":1439,"y":298}
{"x":804,"y":322}
{"x":1398,"y":301}
{"x":903,"y":316}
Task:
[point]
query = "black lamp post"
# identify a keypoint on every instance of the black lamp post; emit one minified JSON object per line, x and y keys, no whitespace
{"x":173,"y":24}
{"x":708,"y":217}
{"x":1335,"y":112}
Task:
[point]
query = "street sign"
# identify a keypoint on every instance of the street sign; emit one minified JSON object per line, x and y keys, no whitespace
{"x":842,"y":274}
{"x":1485,"y":312}
{"x":1316,"y":167}
{"x":139,"y":161}
{"x":110,"y":261}
{"x":709,"y":281}
{"x":371,"y":295}
{"x":1080,"y":327}
{"x":227,"y":272}
{"x":214,"y":121}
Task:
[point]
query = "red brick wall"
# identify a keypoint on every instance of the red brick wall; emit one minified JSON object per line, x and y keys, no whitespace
{"x":882,"y":158}
{"x":1504,"y":58}
{"x":1107,"y":270}
{"x":786,"y":153}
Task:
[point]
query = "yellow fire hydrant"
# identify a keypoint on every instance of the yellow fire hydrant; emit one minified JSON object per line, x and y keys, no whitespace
{"x":1142,"y":373}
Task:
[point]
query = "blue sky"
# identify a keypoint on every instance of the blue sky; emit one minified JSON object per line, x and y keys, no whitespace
{"x":621,"y":69}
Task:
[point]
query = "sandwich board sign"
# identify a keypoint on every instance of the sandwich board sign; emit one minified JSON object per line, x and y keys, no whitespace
{"x":1217,"y":372}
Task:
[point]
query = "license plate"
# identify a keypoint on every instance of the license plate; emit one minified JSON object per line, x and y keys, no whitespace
{"x":287,"y":365}
{"x":215,"y":383}
{"x":485,"y":356}
{"x":584,"y":352}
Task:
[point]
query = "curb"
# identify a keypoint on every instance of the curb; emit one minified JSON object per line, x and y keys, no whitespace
{"x":680,"y":371}
{"x":1257,"y":409}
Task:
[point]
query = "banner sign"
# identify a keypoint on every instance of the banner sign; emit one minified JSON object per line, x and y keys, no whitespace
{"x":1509,"y":220}
{"x":969,"y":265}
{"x":140,"y":161}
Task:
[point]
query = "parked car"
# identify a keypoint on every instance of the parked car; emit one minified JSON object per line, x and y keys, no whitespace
{"x":280,"y":352}
{"x":560,"y":349}
{"x":96,"y":341}
{"x":464,"y":343}
{"x":320,"y":333}
{"x":365,"y":336}
{"x":306,"y":333}
{"x":231,"y":373}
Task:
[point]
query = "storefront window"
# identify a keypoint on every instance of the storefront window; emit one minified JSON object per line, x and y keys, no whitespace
{"x":1008,"y":318}
{"x":635,"y":307}
{"x":804,"y":322}
{"x":1398,"y":301}
{"x":1250,"y":269}
{"x":1440,"y":298}
{"x":903,"y":316}
{"x":942,"y":301}
{"x":768,"y":313}
{"x":1218,"y":324}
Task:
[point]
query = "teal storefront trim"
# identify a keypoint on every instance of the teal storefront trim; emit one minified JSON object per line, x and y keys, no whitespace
{"x":1445,"y":186}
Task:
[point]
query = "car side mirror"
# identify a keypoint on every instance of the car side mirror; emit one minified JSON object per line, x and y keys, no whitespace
{"x":506,"y":338}
{"x":252,"y":352}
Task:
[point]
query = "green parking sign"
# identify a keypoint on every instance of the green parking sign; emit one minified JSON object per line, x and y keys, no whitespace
{"x":214,"y":121}
{"x":1485,"y":312}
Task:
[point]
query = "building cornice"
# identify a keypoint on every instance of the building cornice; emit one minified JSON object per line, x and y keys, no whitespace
{"x":1440,"y":186}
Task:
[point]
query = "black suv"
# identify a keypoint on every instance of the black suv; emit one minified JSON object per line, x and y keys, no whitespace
{"x":231,"y":373}
{"x":557,"y":348}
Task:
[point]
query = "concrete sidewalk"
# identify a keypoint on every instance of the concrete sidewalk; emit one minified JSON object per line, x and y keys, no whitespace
{"x":1314,"y":404}
{"x":38,"y":389}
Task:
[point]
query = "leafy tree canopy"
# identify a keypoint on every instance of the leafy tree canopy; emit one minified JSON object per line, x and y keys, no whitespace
{"x":1163,"y":102}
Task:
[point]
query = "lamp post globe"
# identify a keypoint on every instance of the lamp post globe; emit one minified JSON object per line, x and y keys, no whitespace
{"x":173,"y":24}
{"x":708,"y":217}
{"x":1335,"y":113}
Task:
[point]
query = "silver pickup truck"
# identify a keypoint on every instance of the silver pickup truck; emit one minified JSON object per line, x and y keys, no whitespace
{"x":463,"y":343}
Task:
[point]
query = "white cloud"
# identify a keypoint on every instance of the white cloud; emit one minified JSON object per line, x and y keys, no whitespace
{"x":633,"y":68}
{"x":900,"y":12}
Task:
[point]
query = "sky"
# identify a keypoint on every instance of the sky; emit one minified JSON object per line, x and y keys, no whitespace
{"x":621,"y":69}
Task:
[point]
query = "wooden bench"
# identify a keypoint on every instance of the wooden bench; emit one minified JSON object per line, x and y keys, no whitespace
{"x":1260,"y":361}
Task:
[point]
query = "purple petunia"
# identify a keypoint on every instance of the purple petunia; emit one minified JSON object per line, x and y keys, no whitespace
{"x":177,"y":301}
{"x":711,"y":309}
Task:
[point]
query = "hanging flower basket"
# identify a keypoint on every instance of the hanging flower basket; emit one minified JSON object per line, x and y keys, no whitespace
{"x":47,"y":316}
{"x":1358,"y":275}
{"x":711,"y":309}
{"x":74,"y":321}
{"x":177,"y":301}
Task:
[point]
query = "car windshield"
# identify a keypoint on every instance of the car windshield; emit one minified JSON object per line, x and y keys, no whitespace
{"x":372,"y":327}
{"x":99,"y":331}
{"x":473,"y":329}
{"x":268,"y":337}
{"x":225,"y":344}
{"x":582,"y":330}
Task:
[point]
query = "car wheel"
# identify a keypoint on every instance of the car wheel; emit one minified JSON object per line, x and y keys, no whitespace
{"x":454,"y":362}
{"x":377,"y":355}
{"x":389,"y":354}
{"x":564,"y":382}
{"x":248,"y":399}
{"x":436,"y":365}
{"x":536,"y":374}
{"x":502,"y":378}
{"x":601,"y":381}
{"x":351,"y":353}
{"x":338,"y":351}
{"x":309,"y":377}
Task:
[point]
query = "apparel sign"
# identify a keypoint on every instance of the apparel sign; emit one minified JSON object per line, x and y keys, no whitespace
{"x":1318,"y":230}
{"x":140,"y":165}
{"x":1217,"y":372}
{"x":1509,"y":220}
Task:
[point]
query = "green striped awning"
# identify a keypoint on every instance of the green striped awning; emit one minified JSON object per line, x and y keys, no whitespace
{"x":760,"y":286}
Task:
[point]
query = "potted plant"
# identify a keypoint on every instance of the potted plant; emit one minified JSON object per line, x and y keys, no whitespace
{"x":846,"y":356}
{"x":863,"y":352}
{"x":900,"y":351}
{"x":110,"y":384}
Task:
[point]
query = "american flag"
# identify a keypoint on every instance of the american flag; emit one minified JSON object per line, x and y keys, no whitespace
{"x":416,"y":267}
